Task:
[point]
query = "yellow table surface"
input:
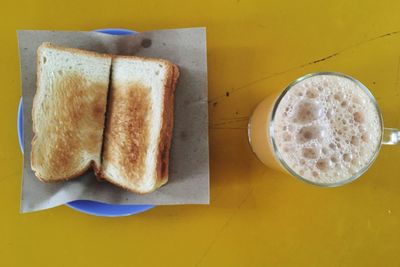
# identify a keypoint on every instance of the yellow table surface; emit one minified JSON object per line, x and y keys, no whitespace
{"x":257,"y":217}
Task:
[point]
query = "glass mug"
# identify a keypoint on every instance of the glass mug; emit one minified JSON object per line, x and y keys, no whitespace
{"x":262,"y":123}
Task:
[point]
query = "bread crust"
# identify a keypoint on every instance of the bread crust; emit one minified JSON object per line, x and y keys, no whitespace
{"x":88,"y":167}
{"x":103,"y":177}
{"x":164,"y":144}
{"x":74,"y":50}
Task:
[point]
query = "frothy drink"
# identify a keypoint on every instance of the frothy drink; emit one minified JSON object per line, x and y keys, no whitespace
{"x":326,"y":129}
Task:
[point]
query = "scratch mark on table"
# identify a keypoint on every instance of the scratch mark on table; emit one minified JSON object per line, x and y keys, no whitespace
{"x":227,"y":222}
{"x":234,"y":118}
{"x":398,"y":75}
{"x":333,"y":55}
{"x":228,"y":128}
{"x":225,"y":123}
{"x":231,"y":121}
{"x":221,"y":122}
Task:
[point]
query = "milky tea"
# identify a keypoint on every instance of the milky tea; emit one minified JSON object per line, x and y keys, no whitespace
{"x":325,"y":128}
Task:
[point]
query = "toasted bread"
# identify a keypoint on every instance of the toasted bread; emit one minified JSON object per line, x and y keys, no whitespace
{"x":139,"y":123}
{"x":68,"y":111}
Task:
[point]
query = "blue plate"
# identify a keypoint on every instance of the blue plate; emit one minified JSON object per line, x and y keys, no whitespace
{"x":89,"y":206}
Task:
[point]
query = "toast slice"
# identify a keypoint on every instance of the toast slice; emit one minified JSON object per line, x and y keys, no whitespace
{"x":139,"y":123}
{"x":68,"y":111}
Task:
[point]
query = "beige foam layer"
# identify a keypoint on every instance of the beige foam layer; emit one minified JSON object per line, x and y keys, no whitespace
{"x":327,"y":128}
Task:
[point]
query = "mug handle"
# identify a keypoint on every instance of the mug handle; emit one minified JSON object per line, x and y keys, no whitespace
{"x":391,"y":136}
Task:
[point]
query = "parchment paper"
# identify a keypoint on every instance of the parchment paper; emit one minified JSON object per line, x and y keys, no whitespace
{"x":189,"y":163}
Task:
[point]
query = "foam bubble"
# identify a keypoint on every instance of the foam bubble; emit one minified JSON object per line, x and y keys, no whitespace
{"x":334,"y":159}
{"x":365,"y":137}
{"x":355,"y":141}
{"x":309,"y":133}
{"x":358,"y":100}
{"x":310,"y":152}
{"x":312,"y":93}
{"x":358,"y":117}
{"x":307,"y":111}
{"x":347,"y":157}
{"x":323,"y":164}
{"x":337,"y":97}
